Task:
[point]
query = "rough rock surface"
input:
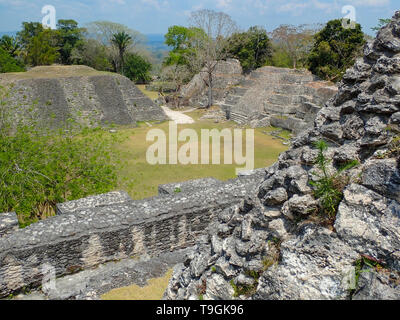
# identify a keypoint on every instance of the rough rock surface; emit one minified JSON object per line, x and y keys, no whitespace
{"x":275,"y":245}
{"x":81,"y":93}
{"x":284,"y":98}
{"x":95,"y":230}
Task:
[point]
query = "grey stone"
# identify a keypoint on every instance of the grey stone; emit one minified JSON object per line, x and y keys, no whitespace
{"x":369,"y":222}
{"x":116,"y":197}
{"x":377,"y":286}
{"x":277,"y":196}
{"x":383,"y":177}
{"x":218,"y":288}
{"x":8,"y":223}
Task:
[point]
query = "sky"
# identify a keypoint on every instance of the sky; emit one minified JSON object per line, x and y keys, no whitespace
{"x":155,"y":16}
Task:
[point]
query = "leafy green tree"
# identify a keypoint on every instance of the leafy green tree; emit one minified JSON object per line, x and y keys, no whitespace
{"x":69,"y":35}
{"x":8,"y":63}
{"x":42,"y":49}
{"x":382,"y":22}
{"x":10,"y":45}
{"x":280,"y":57}
{"x":121,"y":41}
{"x":183,"y":42}
{"x":92,"y":53}
{"x":137,"y":68}
{"x":252,"y":48}
{"x":335,"y":50}
{"x":29,"y":30}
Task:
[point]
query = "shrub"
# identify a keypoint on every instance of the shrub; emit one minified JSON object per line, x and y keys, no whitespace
{"x":328,"y":188}
{"x":40,"y":167}
{"x":137,"y":68}
{"x":8,"y":63}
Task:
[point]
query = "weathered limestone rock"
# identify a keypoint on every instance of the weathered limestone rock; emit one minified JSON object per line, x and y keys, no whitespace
{"x":314,"y":260}
{"x":8,"y":223}
{"x":116,"y":197}
{"x":89,"y":232}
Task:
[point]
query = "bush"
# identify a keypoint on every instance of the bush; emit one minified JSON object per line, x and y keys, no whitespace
{"x":8,"y":63}
{"x":335,"y":49}
{"x":137,"y":68}
{"x":328,"y":188}
{"x":41,"y":167}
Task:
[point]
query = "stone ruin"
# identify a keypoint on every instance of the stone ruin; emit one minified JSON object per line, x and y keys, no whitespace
{"x":281,"y":97}
{"x":226,"y":74}
{"x":284,"y":98}
{"x":252,"y":237}
{"x":272,"y":247}
{"x":94,"y":99}
{"x":112,"y":238}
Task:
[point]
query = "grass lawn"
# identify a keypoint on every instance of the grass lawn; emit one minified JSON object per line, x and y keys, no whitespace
{"x":151,"y":94}
{"x":141,"y":179}
{"x":154,"y":290}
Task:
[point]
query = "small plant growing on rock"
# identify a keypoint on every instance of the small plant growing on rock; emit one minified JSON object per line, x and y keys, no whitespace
{"x":328,"y":188}
{"x":177,"y":190}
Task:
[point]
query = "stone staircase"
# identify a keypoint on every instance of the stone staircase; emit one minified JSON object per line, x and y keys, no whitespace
{"x":277,"y":93}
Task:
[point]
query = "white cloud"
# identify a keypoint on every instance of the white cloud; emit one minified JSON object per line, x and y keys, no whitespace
{"x":223,"y":4}
{"x":367,"y":3}
{"x":157,"y":4}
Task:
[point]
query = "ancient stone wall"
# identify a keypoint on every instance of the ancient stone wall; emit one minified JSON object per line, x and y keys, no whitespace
{"x":91,"y":100}
{"x":92,"y":231}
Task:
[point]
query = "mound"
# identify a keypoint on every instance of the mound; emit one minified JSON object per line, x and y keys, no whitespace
{"x":81,"y":93}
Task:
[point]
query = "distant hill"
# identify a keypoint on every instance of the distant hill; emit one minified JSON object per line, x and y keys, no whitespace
{"x":156,"y":42}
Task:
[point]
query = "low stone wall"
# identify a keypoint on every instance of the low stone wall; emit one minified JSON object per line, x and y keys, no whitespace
{"x":89,"y":232}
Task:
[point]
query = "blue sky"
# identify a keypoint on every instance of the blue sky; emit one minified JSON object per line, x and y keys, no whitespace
{"x":154,"y":16}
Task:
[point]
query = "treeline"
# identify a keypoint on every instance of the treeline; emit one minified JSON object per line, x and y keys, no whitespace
{"x":102,"y":45}
{"x":327,"y":51}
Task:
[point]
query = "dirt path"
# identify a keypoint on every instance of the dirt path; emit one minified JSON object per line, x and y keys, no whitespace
{"x":177,"y":117}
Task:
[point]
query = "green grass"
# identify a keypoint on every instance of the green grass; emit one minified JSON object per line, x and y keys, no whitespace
{"x":151,"y":94}
{"x":141,"y":180}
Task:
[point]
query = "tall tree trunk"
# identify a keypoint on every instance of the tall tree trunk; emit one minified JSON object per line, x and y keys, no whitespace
{"x":121,"y":58}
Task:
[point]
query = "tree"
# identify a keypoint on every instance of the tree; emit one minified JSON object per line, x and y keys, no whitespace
{"x":29,"y":30}
{"x":42,"y":49}
{"x":183,"y":42}
{"x":137,"y":68}
{"x":252,"y":48}
{"x":10,"y":45}
{"x":91,"y":53}
{"x":8,"y":63}
{"x":218,"y":27}
{"x":382,"y":22}
{"x":103,"y":31}
{"x":295,"y":40}
{"x":69,"y":35}
{"x":335,"y":49}
{"x":121,"y":41}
